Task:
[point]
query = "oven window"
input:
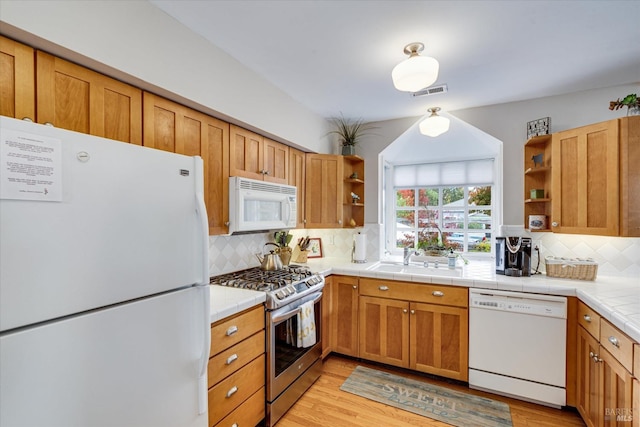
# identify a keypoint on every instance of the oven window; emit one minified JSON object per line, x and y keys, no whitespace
{"x":286,"y":350}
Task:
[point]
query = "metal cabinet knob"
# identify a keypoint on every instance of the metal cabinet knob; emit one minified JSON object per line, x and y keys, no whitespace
{"x":355,"y":287}
{"x":28,"y":119}
{"x":587,"y":318}
{"x":413,"y":312}
{"x":404,"y":310}
{"x":232,"y":391}
{"x":340,"y":221}
{"x":614,"y":341}
{"x":232,"y":359}
{"x":227,"y":223}
{"x":554,"y":224}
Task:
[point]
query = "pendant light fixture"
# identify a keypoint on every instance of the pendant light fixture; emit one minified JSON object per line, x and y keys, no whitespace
{"x":434,"y":125}
{"x":417,"y":72}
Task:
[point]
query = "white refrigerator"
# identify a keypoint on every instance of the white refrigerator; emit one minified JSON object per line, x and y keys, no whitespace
{"x":104,"y":282}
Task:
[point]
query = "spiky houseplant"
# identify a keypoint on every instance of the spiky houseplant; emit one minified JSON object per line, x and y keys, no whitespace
{"x":350,"y":131}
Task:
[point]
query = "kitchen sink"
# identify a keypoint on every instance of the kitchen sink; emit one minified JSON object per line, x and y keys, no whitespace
{"x":415,"y":269}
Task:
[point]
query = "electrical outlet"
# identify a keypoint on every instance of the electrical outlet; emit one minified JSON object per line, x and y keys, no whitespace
{"x":330,"y":240}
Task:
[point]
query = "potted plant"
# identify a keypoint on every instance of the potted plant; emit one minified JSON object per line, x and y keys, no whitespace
{"x":350,"y":131}
{"x":631,"y":101}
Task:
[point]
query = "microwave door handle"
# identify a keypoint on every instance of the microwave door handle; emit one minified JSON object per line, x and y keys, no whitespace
{"x":288,"y":211}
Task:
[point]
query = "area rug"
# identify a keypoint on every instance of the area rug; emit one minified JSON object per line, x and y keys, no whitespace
{"x":432,"y":401}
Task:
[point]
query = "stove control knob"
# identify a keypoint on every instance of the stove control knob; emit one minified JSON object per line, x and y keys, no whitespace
{"x":290,"y":290}
{"x":279,"y":295}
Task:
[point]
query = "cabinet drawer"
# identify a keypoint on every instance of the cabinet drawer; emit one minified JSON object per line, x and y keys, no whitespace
{"x":433,"y":294}
{"x":229,"y":332}
{"x":589,"y":319}
{"x":228,"y":361}
{"x":618,"y":344}
{"x":636,"y":361}
{"x":250,"y":413}
{"x":228,"y":394}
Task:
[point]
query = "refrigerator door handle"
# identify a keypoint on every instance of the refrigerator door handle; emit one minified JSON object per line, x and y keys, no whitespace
{"x":201,"y":211}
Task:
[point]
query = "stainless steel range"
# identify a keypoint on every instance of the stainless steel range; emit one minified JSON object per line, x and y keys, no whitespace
{"x":293,"y":364}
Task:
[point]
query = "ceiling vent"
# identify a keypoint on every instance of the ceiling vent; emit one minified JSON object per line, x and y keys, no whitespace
{"x":433,"y":90}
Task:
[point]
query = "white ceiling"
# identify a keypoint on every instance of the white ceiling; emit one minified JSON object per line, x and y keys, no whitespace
{"x":336,"y":56}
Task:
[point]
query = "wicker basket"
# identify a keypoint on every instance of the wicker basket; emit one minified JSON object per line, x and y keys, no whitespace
{"x":571,"y":268}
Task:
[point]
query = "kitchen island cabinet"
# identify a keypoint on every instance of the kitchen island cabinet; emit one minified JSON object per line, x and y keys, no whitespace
{"x":255,"y":157}
{"x":17,"y":80}
{"x":417,"y":326}
{"x":75,"y":98}
{"x":236,"y":369}
{"x":178,"y":129}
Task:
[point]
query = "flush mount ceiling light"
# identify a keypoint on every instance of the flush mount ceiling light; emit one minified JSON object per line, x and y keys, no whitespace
{"x":415,"y":72}
{"x":434,"y":125}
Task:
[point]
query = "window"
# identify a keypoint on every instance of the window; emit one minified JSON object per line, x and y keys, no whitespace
{"x":441,"y":205}
{"x":452,"y":217}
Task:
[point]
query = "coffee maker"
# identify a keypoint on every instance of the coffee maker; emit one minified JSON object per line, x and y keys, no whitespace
{"x":513,"y":256}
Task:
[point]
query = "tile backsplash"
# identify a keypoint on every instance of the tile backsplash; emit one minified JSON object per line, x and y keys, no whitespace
{"x":616,"y":256}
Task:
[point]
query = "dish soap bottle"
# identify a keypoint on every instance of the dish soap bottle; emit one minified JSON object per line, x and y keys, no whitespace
{"x":452,"y":259}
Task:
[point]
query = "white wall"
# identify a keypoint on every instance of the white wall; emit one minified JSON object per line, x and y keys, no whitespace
{"x":139,"y":44}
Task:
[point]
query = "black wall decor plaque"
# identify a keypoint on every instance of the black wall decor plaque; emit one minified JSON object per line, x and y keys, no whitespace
{"x":538,"y":127}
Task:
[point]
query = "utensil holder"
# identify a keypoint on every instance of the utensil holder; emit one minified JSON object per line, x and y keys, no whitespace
{"x":285,"y":255}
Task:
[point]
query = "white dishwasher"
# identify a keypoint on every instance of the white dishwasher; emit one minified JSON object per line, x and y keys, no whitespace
{"x":517,"y":345}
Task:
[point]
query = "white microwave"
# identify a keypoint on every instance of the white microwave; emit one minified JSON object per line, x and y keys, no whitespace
{"x":257,"y":205}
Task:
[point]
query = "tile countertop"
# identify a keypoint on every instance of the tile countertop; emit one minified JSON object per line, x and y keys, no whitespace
{"x":615,"y":298}
{"x":229,"y":301}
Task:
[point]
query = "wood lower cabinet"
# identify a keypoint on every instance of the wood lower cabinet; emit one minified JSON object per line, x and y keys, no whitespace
{"x":344,"y":315}
{"x":75,"y":98}
{"x":417,"y":326}
{"x":327,"y":321}
{"x":604,"y":365}
{"x":324,"y":187}
{"x":255,"y":157}
{"x":17,"y":80}
{"x":297,"y":173}
{"x":173,"y":127}
{"x":236,"y":370}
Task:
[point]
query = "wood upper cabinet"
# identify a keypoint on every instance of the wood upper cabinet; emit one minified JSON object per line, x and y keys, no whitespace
{"x":173,"y":127}
{"x":297,"y":179}
{"x":256,"y":157}
{"x":17,"y":80}
{"x":630,"y":179}
{"x":585,"y":180}
{"x":324,"y":191}
{"x":344,"y":310}
{"x":76,"y":98}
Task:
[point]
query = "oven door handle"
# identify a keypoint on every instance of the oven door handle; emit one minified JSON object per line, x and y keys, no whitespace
{"x":289,"y":314}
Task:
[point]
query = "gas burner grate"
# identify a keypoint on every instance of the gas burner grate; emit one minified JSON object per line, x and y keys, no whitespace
{"x":260,"y":280}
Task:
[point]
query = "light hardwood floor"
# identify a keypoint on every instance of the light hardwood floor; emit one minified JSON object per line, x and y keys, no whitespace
{"x":324,"y":405}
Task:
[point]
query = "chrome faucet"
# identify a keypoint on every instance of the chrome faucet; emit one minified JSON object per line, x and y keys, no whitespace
{"x":407,"y":255}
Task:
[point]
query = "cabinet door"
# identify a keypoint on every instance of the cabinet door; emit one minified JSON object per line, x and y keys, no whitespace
{"x":173,"y":127}
{"x":327,"y":315}
{"x":76,"y":98}
{"x":615,"y":391}
{"x":245,"y":153}
{"x":17,"y":80}
{"x":585,"y":180}
{"x":588,"y":381}
{"x":324,"y":186}
{"x":344,"y":327}
{"x":439,"y":340}
{"x":384,"y":330}
{"x":636,"y":402}
{"x":630,"y":178}
{"x":296,"y":178}
{"x":276,"y":161}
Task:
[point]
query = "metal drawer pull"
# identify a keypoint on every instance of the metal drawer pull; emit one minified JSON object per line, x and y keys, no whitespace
{"x":614,"y":341}
{"x":437,"y":293}
{"x":232,"y":391}
{"x":383,"y":288}
{"x":232,"y":359}
{"x":232,"y":330}
{"x":587,"y":318}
